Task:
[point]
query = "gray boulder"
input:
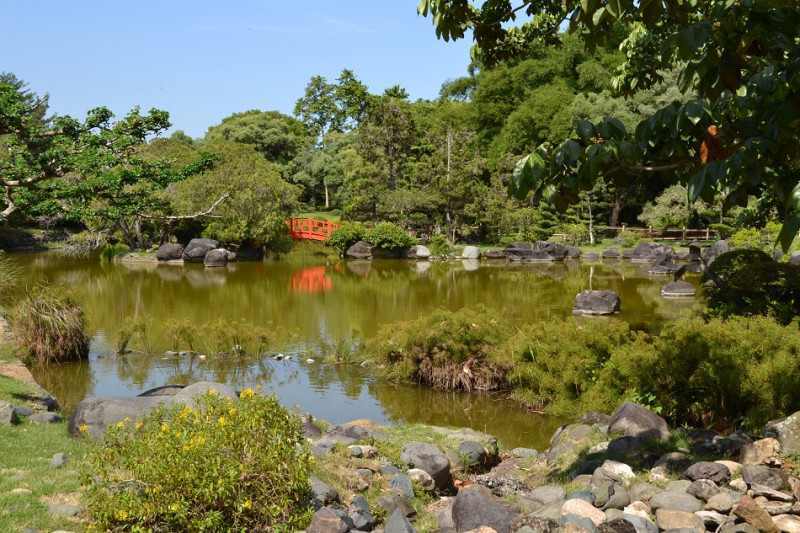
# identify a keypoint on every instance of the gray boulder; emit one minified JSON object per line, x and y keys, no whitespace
{"x":495,"y":253}
{"x":787,"y":432}
{"x":359,"y":250}
{"x":360,"y":514}
{"x":218,"y":257}
{"x":45,"y":418}
{"x":322,"y":493}
{"x":678,"y":289}
{"x":574,"y":252}
{"x":519,"y":251}
{"x":476,"y":506}
{"x":59,"y":460}
{"x":664,"y":264}
{"x":647,"y":252}
{"x":417,"y":252}
{"x":189,"y":394}
{"x":401,"y":484}
{"x":637,"y":421}
{"x":592,"y":256}
{"x":429,"y":458}
{"x":680,"y":501}
{"x":711,"y":253}
{"x":398,"y":523}
{"x":8,"y":415}
{"x":392,"y":502}
{"x":611,"y":253}
{"x":590,"y":302}
{"x":95,"y":414}
{"x":169,"y":252}
{"x":197,"y":249}
{"x":554,"y":250}
{"x":471,"y":252}
{"x":347,"y":433}
{"x":774,"y":478}
{"x":716,"y":472}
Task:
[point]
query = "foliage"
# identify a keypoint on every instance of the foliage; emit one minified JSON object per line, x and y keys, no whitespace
{"x":725,"y":231}
{"x":443,"y":349}
{"x":628,"y":239}
{"x":671,"y":209}
{"x":112,"y":251}
{"x":221,"y":337}
{"x":220,"y":464}
{"x":276,"y":136}
{"x":345,"y":236}
{"x":731,"y":262}
{"x":575,"y":234}
{"x":440,"y":246}
{"x":10,"y":274}
{"x":388,"y":236}
{"x":738,"y":137}
{"x":48,"y":326}
{"x":759,"y":239}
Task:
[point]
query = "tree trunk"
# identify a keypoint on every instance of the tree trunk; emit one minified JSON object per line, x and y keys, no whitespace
{"x":126,"y":232}
{"x":616,"y":209}
{"x":327,"y":203}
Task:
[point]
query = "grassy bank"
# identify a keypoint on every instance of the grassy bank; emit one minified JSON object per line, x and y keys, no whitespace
{"x":27,"y":481}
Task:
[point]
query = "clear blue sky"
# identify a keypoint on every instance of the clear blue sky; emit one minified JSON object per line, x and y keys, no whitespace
{"x":203,"y":60}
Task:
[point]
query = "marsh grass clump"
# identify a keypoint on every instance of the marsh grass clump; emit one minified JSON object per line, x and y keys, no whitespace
{"x":217,"y":465}
{"x":48,"y":325}
{"x":10,"y":274}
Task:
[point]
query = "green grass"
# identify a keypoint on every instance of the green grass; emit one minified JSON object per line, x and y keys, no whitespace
{"x":333,"y":214}
{"x":25,"y":453}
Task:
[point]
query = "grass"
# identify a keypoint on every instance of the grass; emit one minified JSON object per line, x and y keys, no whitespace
{"x":25,"y":453}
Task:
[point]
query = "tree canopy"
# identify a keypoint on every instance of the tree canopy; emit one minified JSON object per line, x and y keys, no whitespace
{"x":737,"y":137}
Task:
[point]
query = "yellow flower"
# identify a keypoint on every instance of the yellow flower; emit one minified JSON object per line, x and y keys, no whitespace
{"x":122,"y":515}
{"x":120,"y":424}
{"x":164,"y":428}
{"x":248,"y":504}
{"x":212,"y":392}
{"x":127,"y":419}
{"x":222,"y":421}
{"x":232,"y":411}
{"x":258,"y":386}
{"x":186,"y":448}
{"x":83,"y":427}
{"x":247,"y":393}
{"x":139,"y":424}
{"x":174,"y":506}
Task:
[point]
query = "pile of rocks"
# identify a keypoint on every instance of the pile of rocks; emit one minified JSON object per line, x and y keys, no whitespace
{"x":41,"y":413}
{"x":206,"y":251}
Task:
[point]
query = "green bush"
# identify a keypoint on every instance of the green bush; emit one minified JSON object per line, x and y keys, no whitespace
{"x":436,"y":348}
{"x":575,"y":234}
{"x":758,"y":239}
{"x":724,"y":230}
{"x":112,"y":251}
{"x":345,"y":236}
{"x":48,"y":325}
{"x":440,"y":246}
{"x":388,"y":236}
{"x":628,"y":239}
{"x":220,"y":465}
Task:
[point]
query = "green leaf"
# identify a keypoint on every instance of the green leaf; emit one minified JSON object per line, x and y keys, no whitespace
{"x":793,"y":203}
{"x":585,"y":130}
{"x":612,"y":128}
{"x":651,"y":12}
{"x":791,"y":224}
{"x":696,"y":185}
{"x":572,"y":151}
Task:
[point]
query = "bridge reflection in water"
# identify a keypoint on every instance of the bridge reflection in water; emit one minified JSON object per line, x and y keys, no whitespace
{"x":311,"y":280}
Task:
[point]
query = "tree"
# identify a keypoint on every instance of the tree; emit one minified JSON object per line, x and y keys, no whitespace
{"x":386,"y":137}
{"x":738,"y":137}
{"x":86,"y":170}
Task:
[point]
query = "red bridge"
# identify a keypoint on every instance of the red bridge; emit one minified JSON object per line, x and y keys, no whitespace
{"x":309,"y":228}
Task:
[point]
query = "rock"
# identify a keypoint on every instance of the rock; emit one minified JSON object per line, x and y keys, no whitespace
{"x":703,"y":489}
{"x":555,"y":250}
{"x":713,"y":519}
{"x":577,"y":524}
{"x":488,"y":442}
{"x":599,"y":448}
{"x":524,"y":452}
{"x":347,"y":433}
{"x":644,"y":491}
{"x":169,"y":252}
{"x":444,"y":518}
{"x":787,"y":523}
{"x":794,"y":259}
{"x":667,"y":519}
{"x":611,"y":253}
{"x":45,"y":418}
{"x":59,"y":460}
{"x":401,"y":484}
{"x":417,"y":252}
{"x":325,"y":520}
{"x":721,"y":503}
{"x":573,"y":252}
{"x":620,"y":469}
{"x":471,"y":252}
{"x":582,"y":495}
{"x":310,"y":431}
{"x":188,"y":395}
{"x":772,"y":494}
{"x":359,"y":250}
{"x":534,"y":524}
{"x":773,"y":478}
{"x":711,"y":253}
{"x":494,"y":253}
{"x":60,"y":509}
{"x":678,"y":289}
{"x":642,"y":525}
{"x":519,"y":251}
{"x":503,"y":485}
{"x":322,"y":493}
{"x":637,"y":421}
{"x":679,"y":501}
{"x":590,"y":302}
{"x":164,"y":390}
{"x":8,"y":415}
{"x":392,"y":502}
{"x":473,"y":455}
{"x":592,"y":256}
{"x":429,"y":458}
{"x":679,"y":485}
{"x":23,"y":412}
{"x":423,"y":478}
{"x":360,"y":514}
{"x":761,"y":452}
{"x":355,"y":452}
{"x":398,"y":523}
{"x":476,"y":506}
{"x":583,"y":509}
{"x":738,"y":528}
{"x":547,"y":495}
{"x":95,"y":413}
{"x":595,"y":417}
{"x":776,"y":508}
{"x":617,"y":525}
{"x":647,"y":252}
{"x":750,"y":512}
{"x":623,"y":447}
{"x":618,"y":498}
{"x":218,"y":257}
{"x":197,"y":249}
{"x":664,"y":263}
{"x":787,"y":433}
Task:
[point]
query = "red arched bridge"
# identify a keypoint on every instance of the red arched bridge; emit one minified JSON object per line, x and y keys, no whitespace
{"x":310,"y":228}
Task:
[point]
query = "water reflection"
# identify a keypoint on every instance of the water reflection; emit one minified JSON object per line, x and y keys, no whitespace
{"x":323,"y":305}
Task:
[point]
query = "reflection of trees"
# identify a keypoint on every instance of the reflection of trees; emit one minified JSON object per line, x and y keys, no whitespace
{"x":69,"y":383}
{"x":492,"y":414}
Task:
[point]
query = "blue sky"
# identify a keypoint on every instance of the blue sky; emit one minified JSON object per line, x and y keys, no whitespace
{"x":203,"y":60}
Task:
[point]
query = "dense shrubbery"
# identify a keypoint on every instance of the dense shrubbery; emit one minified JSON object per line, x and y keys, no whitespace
{"x":743,"y":370}
{"x":112,"y":251}
{"x":49,"y":326}
{"x":220,"y":465}
{"x":440,"y":246}
{"x":345,"y":236}
{"x":388,"y":236}
{"x":760,"y":239}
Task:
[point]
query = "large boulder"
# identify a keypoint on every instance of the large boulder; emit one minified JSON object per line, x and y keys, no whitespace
{"x":611,"y":253}
{"x":197,"y":249}
{"x":647,"y":252}
{"x":417,"y":252}
{"x":519,"y":251}
{"x":678,"y":289}
{"x":554,"y":250}
{"x":429,"y":458}
{"x":471,"y":252}
{"x":495,"y":253}
{"x":218,"y":257}
{"x":476,"y":506}
{"x":786,"y":432}
{"x":8,"y":415}
{"x":664,"y":263}
{"x":711,"y":253}
{"x":596,"y":303}
{"x":637,"y":421}
{"x":188,"y":395}
{"x":169,"y":252}
{"x":359,"y":250}
{"x":93,"y":415}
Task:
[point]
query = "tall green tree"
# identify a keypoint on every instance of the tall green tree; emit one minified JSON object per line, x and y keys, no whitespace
{"x":738,"y":137}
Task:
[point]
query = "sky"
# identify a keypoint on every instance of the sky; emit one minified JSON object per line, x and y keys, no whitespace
{"x":204,"y":60}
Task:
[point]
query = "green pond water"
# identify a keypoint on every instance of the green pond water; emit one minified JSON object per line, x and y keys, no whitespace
{"x":316,"y":306}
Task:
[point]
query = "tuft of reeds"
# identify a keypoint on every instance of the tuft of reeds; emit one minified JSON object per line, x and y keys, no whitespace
{"x":10,"y":274}
{"x":48,"y":325}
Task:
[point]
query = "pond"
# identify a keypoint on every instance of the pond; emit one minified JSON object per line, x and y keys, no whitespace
{"x":316,"y":307}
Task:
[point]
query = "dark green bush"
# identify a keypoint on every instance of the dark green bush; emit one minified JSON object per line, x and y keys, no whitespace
{"x":345,"y":236}
{"x":388,"y":236}
{"x":440,"y":246}
{"x":48,"y":325}
{"x":220,"y":465}
{"x":730,"y":262}
{"x":724,"y":230}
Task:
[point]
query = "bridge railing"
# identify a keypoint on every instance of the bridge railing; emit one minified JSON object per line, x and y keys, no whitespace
{"x":310,"y":228}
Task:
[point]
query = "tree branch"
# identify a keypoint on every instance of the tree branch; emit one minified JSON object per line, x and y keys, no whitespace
{"x":206,"y":213}
{"x":506,"y":16}
{"x":653,"y":169}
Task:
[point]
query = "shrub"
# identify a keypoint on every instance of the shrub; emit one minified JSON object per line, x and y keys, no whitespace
{"x":49,"y":326}
{"x":345,"y":236}
{"x":628,"y":239}
{"x":771,"y":289}
{"x":221,"y":337}
{"x":388,"y":236}
{"x":724,"y":230}
{"x":758,"y":239}
{"x":113,"y":251}
{"x":444,"y":349}
{"x":220,"y":465}
{"x":10,"y":274}
{"x":440,"y":246}
{"x":575,"y":234}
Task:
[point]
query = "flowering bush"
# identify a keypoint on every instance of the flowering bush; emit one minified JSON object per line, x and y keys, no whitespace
{"x":219,"y":465}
